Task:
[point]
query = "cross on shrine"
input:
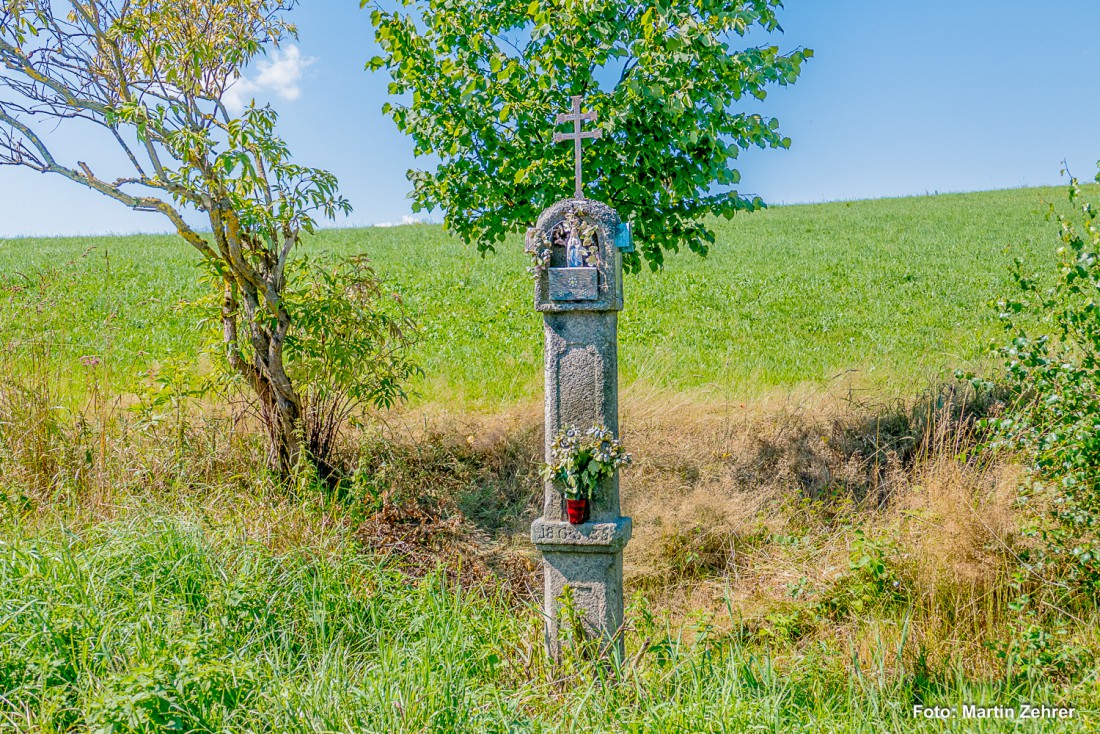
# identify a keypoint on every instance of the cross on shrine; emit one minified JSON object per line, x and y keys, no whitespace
{"x":576,"y":117}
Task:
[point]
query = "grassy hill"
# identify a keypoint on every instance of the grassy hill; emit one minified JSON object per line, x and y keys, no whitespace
{"x":801,"y":561}
{"x":894,"y":290}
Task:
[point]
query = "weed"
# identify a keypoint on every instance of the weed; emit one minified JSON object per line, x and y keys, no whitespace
{"x":873,"y":580}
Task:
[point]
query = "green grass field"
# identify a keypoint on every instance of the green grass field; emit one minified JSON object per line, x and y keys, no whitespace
{"x":154,"y":575}
{"x":895,"y":290}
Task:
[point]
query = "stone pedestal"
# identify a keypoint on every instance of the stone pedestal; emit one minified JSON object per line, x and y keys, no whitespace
{"x":580,"y":311}
{"x":589,"y":559}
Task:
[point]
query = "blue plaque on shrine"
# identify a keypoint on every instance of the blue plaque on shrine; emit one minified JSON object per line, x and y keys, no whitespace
{"x":624,"y":238}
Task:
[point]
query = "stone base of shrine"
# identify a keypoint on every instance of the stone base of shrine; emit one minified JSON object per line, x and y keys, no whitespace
{"x":585,"y":563}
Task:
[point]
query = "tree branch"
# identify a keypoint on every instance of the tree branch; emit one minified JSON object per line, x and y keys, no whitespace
{"x":87,"y":178}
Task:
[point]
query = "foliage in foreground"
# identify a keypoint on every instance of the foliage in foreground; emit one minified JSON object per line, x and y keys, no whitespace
{"x":487,"y":79}
{"x":163,"y":625}
{"x":1052,"y":366}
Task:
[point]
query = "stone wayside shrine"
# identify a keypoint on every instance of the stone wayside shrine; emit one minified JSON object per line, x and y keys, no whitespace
{"x":577,"y":245}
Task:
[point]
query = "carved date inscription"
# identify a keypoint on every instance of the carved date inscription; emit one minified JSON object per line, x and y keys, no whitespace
{"x":566,"y":534}
{"x":597,"y":535}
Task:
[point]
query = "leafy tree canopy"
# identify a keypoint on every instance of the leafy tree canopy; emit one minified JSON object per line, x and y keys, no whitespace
{"x":479,"y":83}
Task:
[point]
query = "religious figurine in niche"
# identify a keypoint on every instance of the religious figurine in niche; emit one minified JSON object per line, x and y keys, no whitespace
{"x":574,"y":251}
{"x":579,"y":242}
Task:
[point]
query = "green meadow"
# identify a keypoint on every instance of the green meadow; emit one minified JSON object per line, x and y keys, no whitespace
{"x":889,"y":292}
{"x":155,"y":576}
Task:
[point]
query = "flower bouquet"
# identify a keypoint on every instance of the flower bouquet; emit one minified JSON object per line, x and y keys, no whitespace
{"x":580,"y":461}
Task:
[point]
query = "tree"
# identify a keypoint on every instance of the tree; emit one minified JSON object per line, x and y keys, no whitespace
{"x":483,"y":80}
{"x":152,"y":75}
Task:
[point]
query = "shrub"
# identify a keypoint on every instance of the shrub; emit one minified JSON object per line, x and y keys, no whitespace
{"x":350,"y":350}
{"x":1052,"y":362}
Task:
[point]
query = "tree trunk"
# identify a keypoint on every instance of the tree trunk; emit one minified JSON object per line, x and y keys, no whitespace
{"x":282,"y":419}
{"x":279,"y":403}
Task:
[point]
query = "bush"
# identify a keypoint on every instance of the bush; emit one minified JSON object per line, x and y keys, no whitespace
{"x":351,"y":348}
{"x":1053,"y":363}
{"x":872,"y":581}
{"x":349,"y":351}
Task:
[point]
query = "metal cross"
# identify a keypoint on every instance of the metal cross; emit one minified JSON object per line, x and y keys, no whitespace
{"x":577,"y":136}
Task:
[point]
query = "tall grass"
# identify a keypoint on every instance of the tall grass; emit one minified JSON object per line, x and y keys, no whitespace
{"x":166,"y":625}
{"x":152,"y":585}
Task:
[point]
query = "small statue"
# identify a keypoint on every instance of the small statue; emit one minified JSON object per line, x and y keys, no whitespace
{"x":575,"y":253}
{"x":571,"y":237}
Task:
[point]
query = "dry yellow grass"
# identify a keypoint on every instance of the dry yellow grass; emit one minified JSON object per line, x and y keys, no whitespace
{"x":736,"y":503}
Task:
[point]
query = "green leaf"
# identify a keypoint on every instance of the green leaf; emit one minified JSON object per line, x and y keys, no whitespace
{"x":486,"y":79}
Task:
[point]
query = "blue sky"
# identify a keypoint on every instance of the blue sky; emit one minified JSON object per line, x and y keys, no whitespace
{"x":900,"y":98}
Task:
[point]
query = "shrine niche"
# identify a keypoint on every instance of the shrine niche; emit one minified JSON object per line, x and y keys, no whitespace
{"x":577,"y":263}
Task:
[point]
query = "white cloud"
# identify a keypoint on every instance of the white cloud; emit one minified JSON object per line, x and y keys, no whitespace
{"x":279,"y":74}
{"x":404,"y":220}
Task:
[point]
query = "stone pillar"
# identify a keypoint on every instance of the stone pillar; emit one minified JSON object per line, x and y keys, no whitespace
{"x":580,"y":311}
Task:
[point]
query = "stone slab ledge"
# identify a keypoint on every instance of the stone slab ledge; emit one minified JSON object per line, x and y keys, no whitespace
{"x":589,"y":537}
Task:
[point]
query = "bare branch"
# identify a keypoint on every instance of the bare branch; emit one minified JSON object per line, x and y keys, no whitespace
{"x":129,"y":153}
{"x":87,"y":178}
